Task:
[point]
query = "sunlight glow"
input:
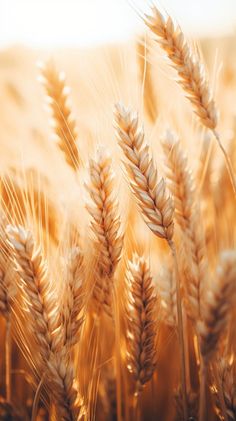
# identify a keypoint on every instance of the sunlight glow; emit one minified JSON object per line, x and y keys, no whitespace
{"x":51,"y":23}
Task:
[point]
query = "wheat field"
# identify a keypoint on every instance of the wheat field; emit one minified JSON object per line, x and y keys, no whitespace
{"x":117,"y":230}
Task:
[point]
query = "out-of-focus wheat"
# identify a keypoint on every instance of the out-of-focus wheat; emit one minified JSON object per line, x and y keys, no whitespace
{"x":65,"y":125}
{"x":182,"y":188}
{"x":74,"y":297}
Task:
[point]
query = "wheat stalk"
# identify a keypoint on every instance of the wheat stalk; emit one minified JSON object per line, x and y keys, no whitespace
{"x":154,"y":202}
{"x":191,"y":72}
{"x":181,"y":185}
{"x":74,"y":301}
{"x":46,"y":322}
{"x":105,"y":225}
{"x":65,"y":125}
{"x":141,"y":322}
{"x":4,"y":300}
{"x":144,"y":67}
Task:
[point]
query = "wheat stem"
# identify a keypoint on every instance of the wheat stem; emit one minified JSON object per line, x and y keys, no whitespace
{"x":203,"y":390}
{"x":8,"y":359}
{"x":36,"y":399}
{"x":180,"y":331}
{"x":227,"y":161}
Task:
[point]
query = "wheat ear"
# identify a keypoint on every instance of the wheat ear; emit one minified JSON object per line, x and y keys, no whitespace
{"x":141,"y":322}
{"x":105,"y":225}
{"x":64,"y":124}
{"x":191,"y":72}
{"x":46,"y":323}
{"x":215,"y":315}
{"x":155,"y":203}
{"x":181,"y":185}
{"x":228,"y":382}
{"x":74,"y":302}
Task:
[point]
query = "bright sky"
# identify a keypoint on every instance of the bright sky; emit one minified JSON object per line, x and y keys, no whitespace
{"x":87,"y":22}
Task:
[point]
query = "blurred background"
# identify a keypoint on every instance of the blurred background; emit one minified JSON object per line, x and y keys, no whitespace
{"x":50,"y":23}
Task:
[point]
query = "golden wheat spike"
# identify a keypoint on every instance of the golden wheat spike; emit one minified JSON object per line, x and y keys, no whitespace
{"x":141,"y":307}
{"x":192,"y":75}
{"x":64,"y":123}
{"x":106,"y":226}
{"x":151,"y":194}
{"x":45,"y":323}
{"x":181,"y":185}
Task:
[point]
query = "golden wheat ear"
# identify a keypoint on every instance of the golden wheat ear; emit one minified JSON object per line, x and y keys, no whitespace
{"x":42,"y":312}
{"x":64,"y":123}
{"x":155,"y":203}
{"x":106,"y":227}
{"x":73,"y":312}
{"x":192,"y":75}
{"x":141,"y":307}
{"x":217,"y":305}
{"x":181,"y":184}
{"x":191,"y":72}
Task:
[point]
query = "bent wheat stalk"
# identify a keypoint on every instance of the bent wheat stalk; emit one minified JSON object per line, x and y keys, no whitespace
{"x":191,"y":72}
{"x":154,"y":202}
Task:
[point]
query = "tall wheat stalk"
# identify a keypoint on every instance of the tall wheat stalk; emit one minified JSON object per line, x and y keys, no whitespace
{"x":45,"y":322}
{"x":191,"y":72}
{"x":154,"y":202}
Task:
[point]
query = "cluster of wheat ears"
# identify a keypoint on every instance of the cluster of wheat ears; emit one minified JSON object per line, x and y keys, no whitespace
{"x":102,"y":338}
